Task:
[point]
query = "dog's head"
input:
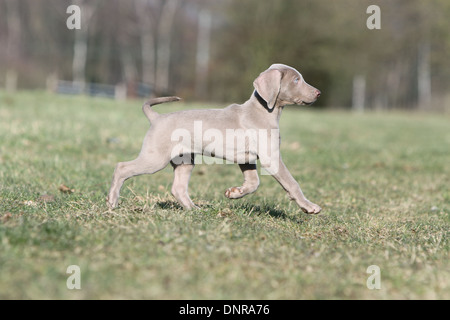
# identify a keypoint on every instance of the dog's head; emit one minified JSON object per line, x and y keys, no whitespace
{"x":282,"y":85}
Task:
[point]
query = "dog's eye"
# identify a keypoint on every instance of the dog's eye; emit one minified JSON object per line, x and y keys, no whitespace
{"x":296,"y":80}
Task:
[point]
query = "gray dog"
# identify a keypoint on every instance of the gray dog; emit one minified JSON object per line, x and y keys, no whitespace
{"x":177,"y":137}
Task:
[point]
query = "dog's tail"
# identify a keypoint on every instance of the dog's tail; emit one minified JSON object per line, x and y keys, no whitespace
{"x":147,"y":107}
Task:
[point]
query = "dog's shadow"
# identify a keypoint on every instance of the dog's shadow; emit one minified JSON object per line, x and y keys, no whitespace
{"x":270,"y":210}
{"x":255,"y":209}
{"x":250,"y":209}
{"x":169,"y":205}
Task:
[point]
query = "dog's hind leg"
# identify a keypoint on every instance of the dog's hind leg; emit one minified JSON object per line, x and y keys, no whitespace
{"x":251,"y":182}
{"x":125,"y":170}
{"x":182,"y":173}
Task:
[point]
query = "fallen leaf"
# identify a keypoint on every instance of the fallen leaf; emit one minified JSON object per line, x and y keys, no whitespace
{"x":6,"y":217}
{"x":65,"y":189}
{"x":200,"y":172}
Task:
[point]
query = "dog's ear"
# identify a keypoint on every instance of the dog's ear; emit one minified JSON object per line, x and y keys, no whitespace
{"x":268,"y":85}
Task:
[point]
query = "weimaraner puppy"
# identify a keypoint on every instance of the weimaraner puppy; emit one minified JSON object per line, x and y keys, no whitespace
{"x":177,"y":137}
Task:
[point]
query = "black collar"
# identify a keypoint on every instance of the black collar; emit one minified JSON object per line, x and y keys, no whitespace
{"x":262,"y":101}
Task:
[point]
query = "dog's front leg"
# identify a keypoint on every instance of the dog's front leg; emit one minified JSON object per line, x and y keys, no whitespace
{"x":251,"y":182}
{"x":284,"y":177}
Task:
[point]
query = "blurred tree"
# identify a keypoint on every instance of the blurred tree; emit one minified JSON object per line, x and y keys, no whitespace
{"x":309,"y":35}
{"x":164,"y":42}
{"x":163,"y":53}
{"x":13,"y":43}
{"x":330,"y":44}
{"x":81,"y":40}
{"x":146,"y":17}
{"x":203,"y":52}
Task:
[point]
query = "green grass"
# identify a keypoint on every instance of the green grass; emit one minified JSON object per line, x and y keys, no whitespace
{"x":382,"y":180}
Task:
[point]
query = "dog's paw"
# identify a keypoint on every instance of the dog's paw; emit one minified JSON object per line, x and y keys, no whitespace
{"x":111,"y":204}
{"x":311,"y":208}
{"x":234,"y":192}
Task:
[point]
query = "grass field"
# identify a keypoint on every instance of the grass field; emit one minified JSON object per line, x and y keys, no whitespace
{"x":382,"y":180}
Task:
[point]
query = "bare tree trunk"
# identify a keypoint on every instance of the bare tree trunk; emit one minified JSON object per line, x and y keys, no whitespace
{"x":424,"y":76}
{"x":359,"y":93}
{"x":394,"y":73}
{"x":13,"y":44}
{"x":79,"y":56}
{"x":80,"y":43}
{"x":146,"y":32}
{"x":163,"y":50}
{"x":129,"y":70}
{"x":202,"y":63}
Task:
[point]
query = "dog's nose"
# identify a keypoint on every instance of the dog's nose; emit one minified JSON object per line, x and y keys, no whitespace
{"x":317,"y":93}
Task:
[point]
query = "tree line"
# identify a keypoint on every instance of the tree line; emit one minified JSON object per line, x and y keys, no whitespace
{"x":213,"y":50}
